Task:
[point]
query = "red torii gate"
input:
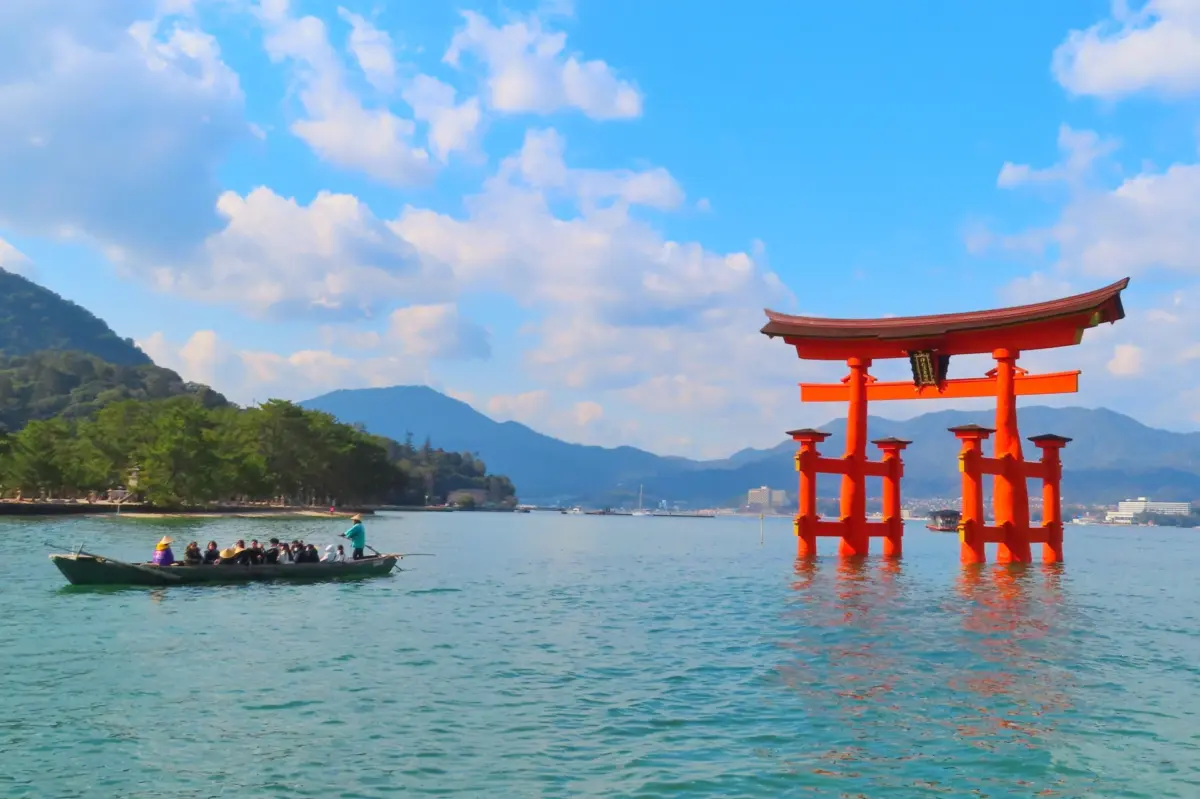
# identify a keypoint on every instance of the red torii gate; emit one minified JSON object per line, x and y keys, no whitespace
{"x":928,"y":342}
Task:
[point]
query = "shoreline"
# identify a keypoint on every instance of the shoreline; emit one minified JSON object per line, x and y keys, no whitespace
{"x":112,"y":509}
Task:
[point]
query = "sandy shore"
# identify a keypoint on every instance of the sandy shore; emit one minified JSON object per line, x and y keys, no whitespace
{"x":132,"y":511}
{"x":282,"y":513}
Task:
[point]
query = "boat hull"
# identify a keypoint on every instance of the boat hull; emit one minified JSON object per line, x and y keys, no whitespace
{"x":96,"y":570}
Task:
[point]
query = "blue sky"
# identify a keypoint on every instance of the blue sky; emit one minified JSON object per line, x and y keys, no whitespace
{"x":573,"y":214}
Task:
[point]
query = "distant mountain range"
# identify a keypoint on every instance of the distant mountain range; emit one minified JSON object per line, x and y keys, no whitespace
{"x":1111,"y":457}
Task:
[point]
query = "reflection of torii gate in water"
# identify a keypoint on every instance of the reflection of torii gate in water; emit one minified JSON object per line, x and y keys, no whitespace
{"x":929,"y":342}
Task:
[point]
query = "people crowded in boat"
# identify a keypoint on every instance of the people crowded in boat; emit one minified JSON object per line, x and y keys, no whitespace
{"x":276,"y":552}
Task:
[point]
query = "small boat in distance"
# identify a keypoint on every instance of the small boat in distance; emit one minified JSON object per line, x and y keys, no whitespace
{"x":82,"y":568}
{"x":944,"y":521}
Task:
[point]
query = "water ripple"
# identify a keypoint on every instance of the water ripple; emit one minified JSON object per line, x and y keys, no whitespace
{"x":563,"y":657}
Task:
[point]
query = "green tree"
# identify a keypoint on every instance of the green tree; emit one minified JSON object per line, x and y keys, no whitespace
{"x":181,"y":465}
{"x":191,"y":453}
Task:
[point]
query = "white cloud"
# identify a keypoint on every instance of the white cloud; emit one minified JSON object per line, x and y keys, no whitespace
{"x":541,"y":165}
{"x":528,"y":407}
{"x":584,"y":421}
{"x":528,"y":71}
{"x":113,"y":121}
{"x":683,"y":393}
{"x":1126,"y":360}
{"x":336,"y":125}
{"x":1146,"y":226}
{"x":1081,"y":150}
{"x":331,"y":257}
{"x":1154,"y":48}
{"x":453,"y":126}
{"x":1037,"y":287}
{"x":462,"y":396}
{"x":15,"y":261}
{"x":438,"y":331}
{"x":603,"y":257}
{"x":587,"y":413}
{"x":619,"y":307}
{"x":247,"y":376}
{"x":1149,"y":222}
{"x":372,"y":48}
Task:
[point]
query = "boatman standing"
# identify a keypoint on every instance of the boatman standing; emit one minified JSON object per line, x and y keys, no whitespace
{"x":357,"y":535}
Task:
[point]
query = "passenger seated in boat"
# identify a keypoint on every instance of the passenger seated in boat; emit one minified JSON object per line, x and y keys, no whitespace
{"x":271,"y":553}
{"x":313,"y":555}
{"x":243,"y":555}
{"x":285,"y":554}
{"x":232,"y":556}
{"x":163,"y":556}
{"x":192,"y":556}
{"x":256,"y":553}
{"x":212,"y":554}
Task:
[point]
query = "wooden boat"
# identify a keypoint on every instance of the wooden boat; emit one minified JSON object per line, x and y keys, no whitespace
{"x":944,"y":521}
{"x":87,"y":569}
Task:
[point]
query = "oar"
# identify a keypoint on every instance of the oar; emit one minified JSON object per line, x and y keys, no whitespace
{"x":403,"y":555}
{"x":79,"y":551}
{"x":157,"y":570}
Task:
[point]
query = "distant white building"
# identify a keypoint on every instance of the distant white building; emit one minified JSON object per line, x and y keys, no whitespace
{"x":1143,"y":505}
{"x":766,"y":498}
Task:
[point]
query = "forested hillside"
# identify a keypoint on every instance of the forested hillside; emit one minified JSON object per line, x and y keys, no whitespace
{"x":74,"y":385}
{"x":181,"y":453}
{"x":33,"y":319}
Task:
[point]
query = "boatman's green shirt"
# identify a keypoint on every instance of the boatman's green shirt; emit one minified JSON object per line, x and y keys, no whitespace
{"x":357,"y":535}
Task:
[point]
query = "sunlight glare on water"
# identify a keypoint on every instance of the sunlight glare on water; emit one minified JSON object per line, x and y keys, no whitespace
{"x":554,"y":656}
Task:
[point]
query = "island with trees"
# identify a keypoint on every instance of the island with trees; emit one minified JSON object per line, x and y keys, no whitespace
{"x":183,"y":452}
{"x":85,"y":414}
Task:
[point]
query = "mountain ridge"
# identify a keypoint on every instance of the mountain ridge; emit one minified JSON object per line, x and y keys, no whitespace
{"x":35,"y":319}
{"x":1129,"y":459}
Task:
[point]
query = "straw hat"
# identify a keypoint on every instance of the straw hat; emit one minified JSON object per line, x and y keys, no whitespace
{"x":229,"y":552}
{"x":329,"y":547}
{"x":356,"y":517}
{"x":164,"y":543}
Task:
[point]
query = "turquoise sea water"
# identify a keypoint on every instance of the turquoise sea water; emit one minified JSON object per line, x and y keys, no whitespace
{"x":556,"y":656}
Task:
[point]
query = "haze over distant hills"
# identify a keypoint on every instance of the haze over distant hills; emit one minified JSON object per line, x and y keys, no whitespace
{"x":1111,"y":457}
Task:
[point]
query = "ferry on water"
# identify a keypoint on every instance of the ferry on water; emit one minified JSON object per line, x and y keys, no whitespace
{"x":944,"y":521}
